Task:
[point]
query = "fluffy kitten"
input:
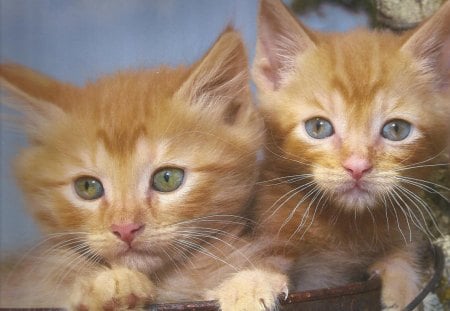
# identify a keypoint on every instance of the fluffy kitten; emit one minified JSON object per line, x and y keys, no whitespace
{"x":356,"y":123}
{"x":131,"y":176}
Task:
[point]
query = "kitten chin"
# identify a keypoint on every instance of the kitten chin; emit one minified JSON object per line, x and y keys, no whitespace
{"x":143,"y":262}
{"x":355,"y":199}
{"x":348,"y":193}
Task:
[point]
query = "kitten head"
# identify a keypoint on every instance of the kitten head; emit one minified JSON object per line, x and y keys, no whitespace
{"x":139,"y":165}
{"x":362,"y":115}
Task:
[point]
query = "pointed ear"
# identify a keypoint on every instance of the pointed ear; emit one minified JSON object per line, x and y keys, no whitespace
{"x":30,"y":93}
{"x":219,"y":81}
{"x":281,"y":38}
{"x":430,"y":46}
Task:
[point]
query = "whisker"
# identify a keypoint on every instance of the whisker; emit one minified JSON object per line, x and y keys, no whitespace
{"x":221,"y":218}
{"x":426,"y":160}
{"x":219,"y":249}
{"x":425,"y":188}
{"x":204,"y":251}
{"x":286,"y":179}
{"x":63,"y":271}
{"x":383,"y":199}
{"x":209,"y":230}
{"x":197,"y":235}
{"x":420,"y":166}
{"x":291,"y":214}
{"x":290,"y":195}
{"x":414,"y":199}
{"x":373,"y":218}
{"x":396,"y":217}
{"x":286,"y":158}
{"x":314,"y":214}
{"x":424,"y":182}
{"x":177,"y":267}
{"x":396,"y":197}
{"x":63,"y":244}
{"x":34,"y":248}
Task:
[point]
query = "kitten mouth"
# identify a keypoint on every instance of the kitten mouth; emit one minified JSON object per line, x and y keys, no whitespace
{"x":355,"y":194}
{"x":355,"y":188}
{"x":355,"y":191}
{"x":130,"y":250}
{"x":132,"y":253}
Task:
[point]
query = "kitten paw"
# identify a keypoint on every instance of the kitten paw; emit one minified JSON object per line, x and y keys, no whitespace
{"x":399,"y":283}
{"x":395,"y":297}
{"x":114,"y":289}
{"x":251,"y":290}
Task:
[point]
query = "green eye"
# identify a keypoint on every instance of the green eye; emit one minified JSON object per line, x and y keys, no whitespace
{"x":168,"y":179}
{"x":396,"y":130}
{"x":319,"y":128}
{"x":88,"y":188}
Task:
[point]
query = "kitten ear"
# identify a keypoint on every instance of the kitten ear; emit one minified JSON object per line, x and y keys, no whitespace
{"x":219,"y":81}
{"x":30,"y":93}
{"x":430,"y":45}
{"x":281,"y":38}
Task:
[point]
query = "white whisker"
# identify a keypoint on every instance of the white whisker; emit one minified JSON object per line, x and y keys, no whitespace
{"x":396,"y":217}
{"x":414,"y":199}
{"x":293,"y":211}
{"x":404,"y":168}
{"x":290,"y":195}
{"x":314,"y":214}
{"x":204,"y":251}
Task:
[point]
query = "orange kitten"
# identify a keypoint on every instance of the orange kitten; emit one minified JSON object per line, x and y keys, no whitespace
{"x":356,"y":123}
{"x":131,"y":176}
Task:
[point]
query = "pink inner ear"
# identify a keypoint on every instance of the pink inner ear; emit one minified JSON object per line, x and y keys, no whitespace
{"x":281,"y":38}
{"x":270,"y":73}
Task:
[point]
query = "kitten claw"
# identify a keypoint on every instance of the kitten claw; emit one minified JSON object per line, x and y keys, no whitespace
{"x":285,"y":292}
{"x":374,"y":274}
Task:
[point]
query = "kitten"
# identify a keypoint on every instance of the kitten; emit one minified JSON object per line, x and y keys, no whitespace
{"x":131,"y":176}
{"x":356,"y":121}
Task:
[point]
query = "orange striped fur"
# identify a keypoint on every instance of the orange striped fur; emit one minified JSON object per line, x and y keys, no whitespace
{"x":121,"y":129}
{"x":340,"y":229}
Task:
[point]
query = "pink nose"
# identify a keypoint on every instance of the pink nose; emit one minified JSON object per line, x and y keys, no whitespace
{"x":357,"y":166}
{"x":126,"y":232}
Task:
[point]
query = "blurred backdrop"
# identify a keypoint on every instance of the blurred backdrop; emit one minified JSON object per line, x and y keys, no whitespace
{"x":79,"y":40}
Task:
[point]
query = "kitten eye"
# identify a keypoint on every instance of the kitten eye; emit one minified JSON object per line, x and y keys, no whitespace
{"x":396,"y":130}
{"x":168,"y":179}
{"x":89,"y":188}
{"x":319,"y":128}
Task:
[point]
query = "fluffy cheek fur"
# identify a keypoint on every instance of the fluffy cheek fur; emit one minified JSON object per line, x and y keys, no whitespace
{"x":171,"y":220}
{"x":357,"y":131}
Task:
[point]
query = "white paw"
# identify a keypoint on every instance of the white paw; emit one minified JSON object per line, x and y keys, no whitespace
{"x":399,"y":282}
{"x":396,"y":295}
{"x":113,"y":289}
{"x":251,"y":290}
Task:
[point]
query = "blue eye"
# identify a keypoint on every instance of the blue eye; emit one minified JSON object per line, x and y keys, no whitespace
{"x":396,"y":130}
{"x":319,"y":128}
{"x":88,"y":188}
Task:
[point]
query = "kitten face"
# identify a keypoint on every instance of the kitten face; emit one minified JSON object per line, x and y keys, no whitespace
{"x":353,"y":112}
{"x":142,"y":167}
{"x":361,"y":131}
